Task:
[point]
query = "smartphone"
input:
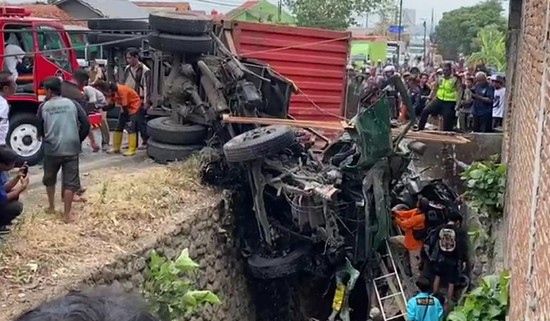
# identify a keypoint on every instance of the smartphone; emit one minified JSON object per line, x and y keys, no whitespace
{"x":25,"y":169}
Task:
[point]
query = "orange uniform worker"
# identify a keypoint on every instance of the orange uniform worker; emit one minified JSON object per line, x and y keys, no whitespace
{"x":128,"y":99}
{"x":410,"y":222}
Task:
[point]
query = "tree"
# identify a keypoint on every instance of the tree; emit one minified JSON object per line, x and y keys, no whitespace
{"x":330,"y":14}
{"x":457,"y":28}
{"x":492,"y":44}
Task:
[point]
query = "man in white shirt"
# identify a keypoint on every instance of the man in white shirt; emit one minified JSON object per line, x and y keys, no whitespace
{"x":499,"y":101}
{"x":7,"y":88}
{"x":95,"y":100}
{"x":13,"y":55}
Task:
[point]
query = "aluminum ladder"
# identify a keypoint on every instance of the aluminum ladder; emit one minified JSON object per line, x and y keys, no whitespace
{"x":395,"y":291}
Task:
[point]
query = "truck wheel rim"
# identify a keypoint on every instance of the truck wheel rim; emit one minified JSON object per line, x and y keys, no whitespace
{"x":24,"y":140}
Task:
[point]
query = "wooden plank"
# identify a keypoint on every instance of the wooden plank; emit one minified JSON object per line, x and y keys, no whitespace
{"x":423,"y":136}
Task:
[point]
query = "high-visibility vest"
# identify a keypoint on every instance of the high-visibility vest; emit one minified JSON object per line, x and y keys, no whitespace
{"x":446,"y":91}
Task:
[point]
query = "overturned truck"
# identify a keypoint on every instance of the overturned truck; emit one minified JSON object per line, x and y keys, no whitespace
{"x":312,"y":224}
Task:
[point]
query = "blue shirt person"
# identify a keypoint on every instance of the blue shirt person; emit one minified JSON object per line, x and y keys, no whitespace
{"x":424,"y":306}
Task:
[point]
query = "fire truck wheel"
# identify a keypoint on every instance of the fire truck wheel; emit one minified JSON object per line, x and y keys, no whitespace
{"x":118,"y":25}
{"x":180,"y":23}
{"x":101,"y":38}
{"x":23,"y":138}
{"x":166,"y":130}
{"x":258,"y":143}
{"x":180,"y":44}
{"x":164,"y":153}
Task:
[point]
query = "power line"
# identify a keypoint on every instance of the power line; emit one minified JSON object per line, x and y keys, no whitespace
{"x":232,"y":5}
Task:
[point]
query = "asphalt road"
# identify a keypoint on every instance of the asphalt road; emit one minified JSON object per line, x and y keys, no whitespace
{"x":90,"y":161}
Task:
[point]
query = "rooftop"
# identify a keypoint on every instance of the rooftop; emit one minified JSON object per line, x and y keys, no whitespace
{"x":112,"y":8}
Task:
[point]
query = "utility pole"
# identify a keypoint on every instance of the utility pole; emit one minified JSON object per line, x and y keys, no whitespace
{"x":432,"y":23}
{"x":425,"y":31}
{"x":399,"y":30}
{"x":279,"y":11}
{"x":367,"y":20}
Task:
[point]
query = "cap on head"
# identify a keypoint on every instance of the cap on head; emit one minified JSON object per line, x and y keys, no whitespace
{"x":480,"y":75}
{"x":389,"y":68}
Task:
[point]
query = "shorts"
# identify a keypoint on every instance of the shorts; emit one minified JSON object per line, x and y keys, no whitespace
{"x":69,"y":171}
{"x":448,"y":271}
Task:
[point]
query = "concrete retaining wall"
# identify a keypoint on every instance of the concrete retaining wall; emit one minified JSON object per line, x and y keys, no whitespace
{"x":210,"y":245}
{"x":440,"y":158}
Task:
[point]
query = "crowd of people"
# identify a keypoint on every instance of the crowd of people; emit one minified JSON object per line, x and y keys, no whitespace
{"x":63,"y":125}
{"x":464,"y":98}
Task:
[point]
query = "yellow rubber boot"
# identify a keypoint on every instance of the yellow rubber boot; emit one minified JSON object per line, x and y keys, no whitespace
{"x":117,"y":142}
{"x":132,"y":144}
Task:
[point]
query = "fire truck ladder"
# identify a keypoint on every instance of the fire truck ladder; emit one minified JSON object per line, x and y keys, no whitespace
{"x":390,"y":276}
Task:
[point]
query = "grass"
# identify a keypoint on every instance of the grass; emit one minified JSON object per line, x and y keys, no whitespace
{"x":123,"y":206}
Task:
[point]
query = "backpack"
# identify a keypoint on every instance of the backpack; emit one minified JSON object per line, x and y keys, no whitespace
{"x":433,"y":219}
{"x":447,"y":239}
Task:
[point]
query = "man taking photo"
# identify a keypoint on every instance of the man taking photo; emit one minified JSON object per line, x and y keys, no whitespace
{"x":11,"y":189}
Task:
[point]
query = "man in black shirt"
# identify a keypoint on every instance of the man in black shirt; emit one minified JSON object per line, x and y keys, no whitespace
{"x":482,"y":106}
{"x":449,"y":252}
{"x":425,"y":92}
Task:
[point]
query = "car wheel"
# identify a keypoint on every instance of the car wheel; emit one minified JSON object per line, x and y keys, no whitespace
{"x":164,"y":153}
{"x":258,"y":143}
{"x":279,"y":267}
{"x":23,"y":138}
{"x":180,"y":23}
{"x":166,"y":130}
{"x":101,"y":38}
{"x":118,"y":24}
{"x":180,"y":44}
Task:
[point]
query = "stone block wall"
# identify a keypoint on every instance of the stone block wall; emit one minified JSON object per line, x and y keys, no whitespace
{"x":527,"y":153}
{"x":208,"y":237}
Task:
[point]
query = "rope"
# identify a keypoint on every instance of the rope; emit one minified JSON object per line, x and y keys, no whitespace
{"x":328,"y":113}
{"x":298,"y":88}
{"x":297,"y":46}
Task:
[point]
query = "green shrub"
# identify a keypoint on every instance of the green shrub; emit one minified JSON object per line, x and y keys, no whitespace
{"x":169,"y":289}
{"x":485,"y":186}
{"x":488,"y":302}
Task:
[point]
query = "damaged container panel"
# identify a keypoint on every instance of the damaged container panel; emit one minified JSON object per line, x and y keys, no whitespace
{"x":314,"y":59}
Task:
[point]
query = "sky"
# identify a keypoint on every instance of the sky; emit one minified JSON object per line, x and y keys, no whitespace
{"x":423,"y":7}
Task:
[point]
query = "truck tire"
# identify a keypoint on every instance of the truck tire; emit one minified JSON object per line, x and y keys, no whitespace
{"x":180,"y":23}
{"x":109,"y":37}
{"x":258,"y":143}
{"x":164,"y":153}
{"x":279,"y":267}
{"x":180,"y":44}
{"x":118,"y":25}
{"x":166,"y":130}
{"x":23,"y":138}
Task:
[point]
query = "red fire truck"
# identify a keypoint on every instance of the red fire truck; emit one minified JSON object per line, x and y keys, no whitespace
{"x":48,"y":53}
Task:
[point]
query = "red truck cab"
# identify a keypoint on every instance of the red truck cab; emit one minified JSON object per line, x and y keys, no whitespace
{"x":48,"y":52}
